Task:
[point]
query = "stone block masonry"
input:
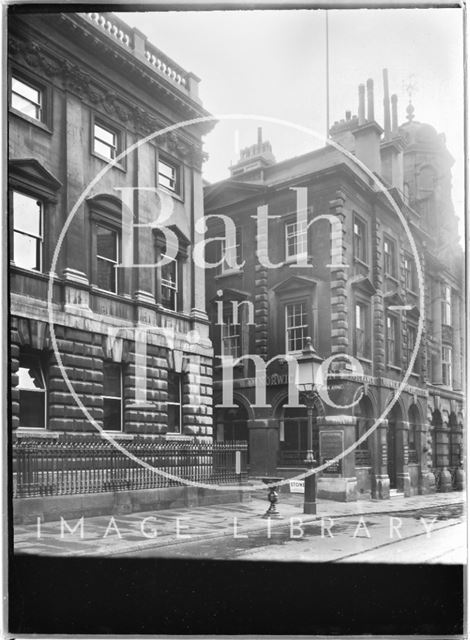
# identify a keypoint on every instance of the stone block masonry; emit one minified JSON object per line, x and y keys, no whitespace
{"x":83,"y":354}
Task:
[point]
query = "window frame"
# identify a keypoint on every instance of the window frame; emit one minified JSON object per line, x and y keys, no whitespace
{"x":26,"y":78}
{"x":228,"y":314}
{"x":97,"y":257}
{"x":410,"y":275}
{"x":39,"y":356}
{"x":224,"y":267}
{"x":446,"y":305}
{"x":396,"y":356}
{"x":446,"y":365}
{"x":301,"y":238}
{"x":177,"y":166}
{"x":104,"y":212}
{"x":304,"y":303}
{"x":176,"y":288}
{"x":409,"y":348}
{"x":390,"y":257}
{"x":366,"y":309}
{"x":40,"y":239}
{"x":179,"y":404}
{"x":362,"y":224}
{"x":97,"y":119}
{"x":120,"y":366}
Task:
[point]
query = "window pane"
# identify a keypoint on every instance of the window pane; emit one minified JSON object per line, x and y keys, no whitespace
{"x":32,"y":409}
{"x":26,"y":107}
{"x":105,"y":136}
{"x":106,"y":275}
{"x":106,"y":243}
{"x":25,"y":251}
{"x":174,"y":417}
{"x":26,"y":214}
{"x":112,"y":379}
{"x":26,"y":91}
{"x":174,"y":387}
{"x":112,"y":414}
{"x":104,"y":150}
{"x":169,"y":273}
{"x":167,"y":175}
{"x":30,"y":377}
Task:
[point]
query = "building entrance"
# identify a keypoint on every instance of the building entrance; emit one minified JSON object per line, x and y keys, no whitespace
{"x":293,"y":427}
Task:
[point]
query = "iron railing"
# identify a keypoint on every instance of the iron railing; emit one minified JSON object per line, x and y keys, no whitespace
{"x":96,"y":466}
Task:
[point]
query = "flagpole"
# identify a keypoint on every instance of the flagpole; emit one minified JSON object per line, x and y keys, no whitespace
{"x":327,"y":77}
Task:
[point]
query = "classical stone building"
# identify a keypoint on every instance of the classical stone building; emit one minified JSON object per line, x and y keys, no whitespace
{"x":288,"y":284}
{"x":133,"y":355}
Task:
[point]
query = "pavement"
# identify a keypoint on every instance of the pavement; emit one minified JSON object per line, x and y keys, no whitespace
{"x":120,"y":535}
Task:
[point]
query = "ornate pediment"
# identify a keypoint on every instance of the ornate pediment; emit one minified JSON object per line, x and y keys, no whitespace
{"x":229,"y":192}
{"x":393,"y":299}
{"x":32,"y":173}
{"x":363,"y":284}
{"x":294,"y":283}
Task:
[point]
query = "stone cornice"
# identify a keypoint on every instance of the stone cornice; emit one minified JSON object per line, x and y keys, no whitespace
{"x":88,"y":89}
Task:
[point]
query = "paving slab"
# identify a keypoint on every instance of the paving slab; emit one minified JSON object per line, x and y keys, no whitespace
{"x":123,"y":534}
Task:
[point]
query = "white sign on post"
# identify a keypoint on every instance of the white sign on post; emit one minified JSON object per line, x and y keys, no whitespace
{"x":297,"y":486}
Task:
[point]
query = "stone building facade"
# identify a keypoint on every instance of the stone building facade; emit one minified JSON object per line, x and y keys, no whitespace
{"x":132,"y":354}
{"x":366,"y":305}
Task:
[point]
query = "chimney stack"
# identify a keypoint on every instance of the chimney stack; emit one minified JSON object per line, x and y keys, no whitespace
{"x":394,"y":100}
{"x":361,"y":113}
{"x":260,"y":135}
{"x":387,"y":127}
{"x":370,"y":100}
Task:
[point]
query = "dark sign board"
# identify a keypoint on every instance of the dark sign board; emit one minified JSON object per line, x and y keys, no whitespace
{"x":331,"y":445}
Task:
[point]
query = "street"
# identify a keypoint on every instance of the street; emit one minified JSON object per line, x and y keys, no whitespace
{"x":426,"y":535}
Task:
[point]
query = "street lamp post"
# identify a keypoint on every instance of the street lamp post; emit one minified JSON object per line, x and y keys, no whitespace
{"x":309,"y":364}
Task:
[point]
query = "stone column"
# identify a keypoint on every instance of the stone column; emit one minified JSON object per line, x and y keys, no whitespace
{"x":426,"y":479}
{"x":456,"y":342}
{"x":380,"y":481}
{"x":339,"y":275}
{"x":338,"y":482}
{"x":436,"y":376}
{"x":403,"y":474}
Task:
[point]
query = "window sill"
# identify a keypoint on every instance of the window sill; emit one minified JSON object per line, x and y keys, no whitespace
{"x":37,"y":123}
{"x":228,"y":273}
{"x":42,"y":432}
{"x":361,"y":262}
{"x":174,"y":194}
{"x":178,"y":437}
{"x":412,"y":292}
{"x":292,"y":261}
{"x":366,"y":360}
{"x":392,"y":278}
{"x":117,"y":165}
{"x":394,"y":367}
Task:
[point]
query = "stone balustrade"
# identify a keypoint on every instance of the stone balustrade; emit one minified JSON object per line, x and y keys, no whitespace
{"x":138,"y":44}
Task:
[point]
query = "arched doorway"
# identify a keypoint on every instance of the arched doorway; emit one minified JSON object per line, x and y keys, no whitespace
{"x":293,"y":425}
{"x":231,"y":424}
{"x":436,"y":431}
{"x":455,"y":442}
{"x":413,"y":434}
{"x":364,"y":412}
{"x":395,"y":417}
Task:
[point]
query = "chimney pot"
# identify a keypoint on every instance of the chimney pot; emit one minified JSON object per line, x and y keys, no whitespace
{"x":348,"y":115}
{"x":362,"y":106}
{"x":394,"y":100}
{"x":386,"y":105}
{"x":370,"y":99}
{"x":260,"y":135}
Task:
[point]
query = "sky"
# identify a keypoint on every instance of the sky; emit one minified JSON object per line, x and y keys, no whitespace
{"x":273,"y":63}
